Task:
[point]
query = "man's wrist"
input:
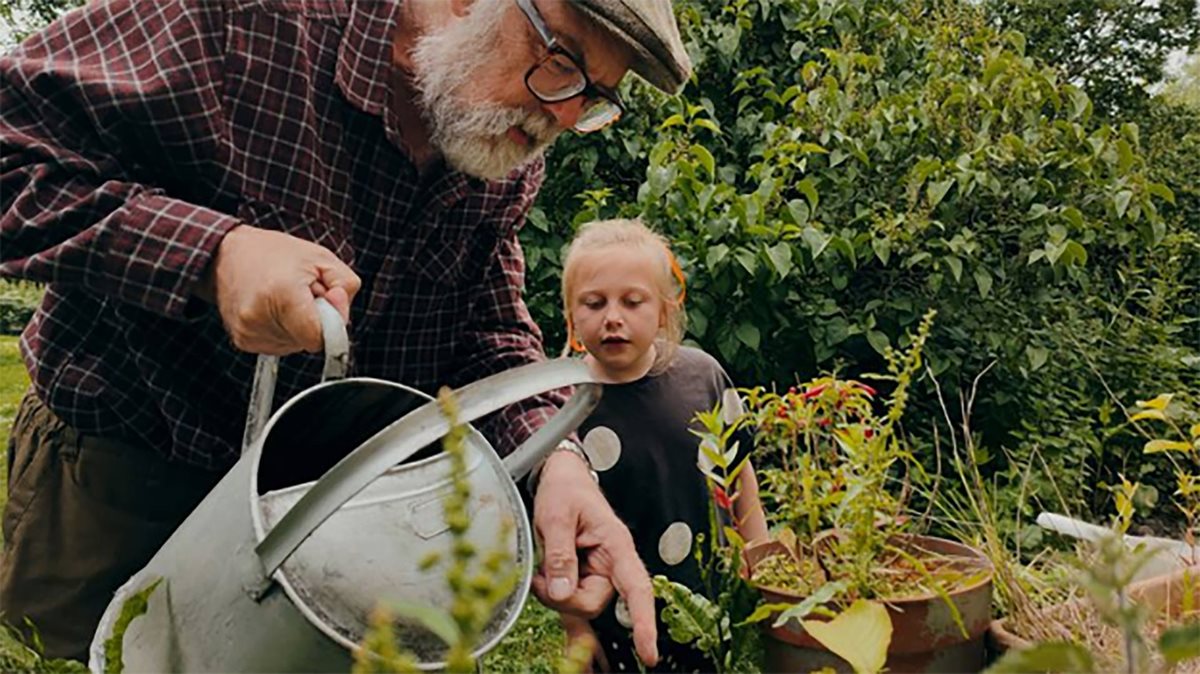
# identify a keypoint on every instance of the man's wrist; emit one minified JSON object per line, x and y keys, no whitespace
{"x":566,"y":446}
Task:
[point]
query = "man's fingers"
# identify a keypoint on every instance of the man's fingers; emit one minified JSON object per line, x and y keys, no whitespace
{"x":633,"y":582}
{"x":298,"y":319}
{"x":589,"y":600}
{"x":559,"y":564}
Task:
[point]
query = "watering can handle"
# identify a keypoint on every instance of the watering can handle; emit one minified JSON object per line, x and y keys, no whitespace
{"x":417,"y":429}
{"x":262,"y":392}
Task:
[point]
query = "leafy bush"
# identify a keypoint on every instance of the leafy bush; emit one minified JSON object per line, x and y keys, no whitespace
{"x":840,"y":166}
{"x":18,"y":301}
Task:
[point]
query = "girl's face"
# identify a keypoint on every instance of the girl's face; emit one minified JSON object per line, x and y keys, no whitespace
{"x":617,"y":311}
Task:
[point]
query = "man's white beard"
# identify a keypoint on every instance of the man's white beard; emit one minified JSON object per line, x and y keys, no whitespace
{"x":472,"y":134}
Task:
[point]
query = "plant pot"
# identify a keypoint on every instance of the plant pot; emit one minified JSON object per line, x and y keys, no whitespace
{"x":1162,"y":594}
{"x":925,"y":635}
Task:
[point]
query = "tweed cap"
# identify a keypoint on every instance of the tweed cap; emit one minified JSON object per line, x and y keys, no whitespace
{"x":649,"y":28}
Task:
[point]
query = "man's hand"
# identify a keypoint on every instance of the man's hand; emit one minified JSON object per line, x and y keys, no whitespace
{"x":264,"y":282}
{"x":569,"y":514}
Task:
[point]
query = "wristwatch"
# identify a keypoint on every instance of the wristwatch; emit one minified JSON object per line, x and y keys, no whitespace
{"x":565,"y":445}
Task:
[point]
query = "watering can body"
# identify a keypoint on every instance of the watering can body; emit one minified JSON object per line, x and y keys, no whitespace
{"x":279,"y":567}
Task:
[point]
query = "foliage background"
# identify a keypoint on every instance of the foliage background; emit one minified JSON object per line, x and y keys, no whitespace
{"x":837,"y":167}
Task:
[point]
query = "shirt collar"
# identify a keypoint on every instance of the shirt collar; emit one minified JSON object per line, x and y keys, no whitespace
{"x":364,"y":65}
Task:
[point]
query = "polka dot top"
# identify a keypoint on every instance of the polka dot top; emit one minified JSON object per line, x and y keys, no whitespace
{"x":640,"y":443}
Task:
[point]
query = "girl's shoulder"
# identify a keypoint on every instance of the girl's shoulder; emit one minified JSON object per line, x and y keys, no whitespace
{"x":692,"y":361}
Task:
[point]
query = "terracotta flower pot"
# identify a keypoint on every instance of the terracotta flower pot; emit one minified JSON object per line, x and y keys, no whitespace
{"x":925,"y":635}
{"x":1162,"y":594}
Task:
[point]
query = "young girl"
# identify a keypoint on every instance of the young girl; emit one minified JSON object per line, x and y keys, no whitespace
{"x":623,"y":301}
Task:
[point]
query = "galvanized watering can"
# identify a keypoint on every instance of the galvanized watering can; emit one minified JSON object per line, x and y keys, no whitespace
{"x":277,"y":570}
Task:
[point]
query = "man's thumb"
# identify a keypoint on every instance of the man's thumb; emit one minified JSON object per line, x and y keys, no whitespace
{"x":340,"y":300}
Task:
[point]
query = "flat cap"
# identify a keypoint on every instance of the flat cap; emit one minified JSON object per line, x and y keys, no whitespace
{"x":649,"y":28}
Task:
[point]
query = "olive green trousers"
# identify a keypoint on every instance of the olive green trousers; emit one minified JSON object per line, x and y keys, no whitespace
{"x":83,"y":515}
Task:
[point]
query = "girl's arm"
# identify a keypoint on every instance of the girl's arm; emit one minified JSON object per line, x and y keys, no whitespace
{"x":752,"y":522}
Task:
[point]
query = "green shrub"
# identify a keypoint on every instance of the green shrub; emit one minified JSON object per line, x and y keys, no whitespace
{"x":840,"y":166}
{"x":18,"y":301}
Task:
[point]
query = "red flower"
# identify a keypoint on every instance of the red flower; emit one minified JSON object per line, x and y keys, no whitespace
{"x":815,"y":391}
{"x":781,"y":413}
{"x":722,"y":498}
{"x":869,"y":433}
{"x":824,"y":422}
{"x":792,"y":390}
{"x":865,"y":389}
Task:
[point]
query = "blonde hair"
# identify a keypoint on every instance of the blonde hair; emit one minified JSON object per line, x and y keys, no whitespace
{"x":669,"y":282}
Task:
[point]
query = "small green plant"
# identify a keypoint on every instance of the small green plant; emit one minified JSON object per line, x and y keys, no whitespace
{"x":478,"y":583}
{"x":1181,"y":443}
{"x":835,"y":491}
{"x":720,"y":622}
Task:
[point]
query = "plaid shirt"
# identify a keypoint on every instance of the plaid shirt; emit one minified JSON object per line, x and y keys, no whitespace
{"x":135,"y":133}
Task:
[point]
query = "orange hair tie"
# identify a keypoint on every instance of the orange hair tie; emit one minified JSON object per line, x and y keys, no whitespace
{"x":574,"y":343}
{"x":678,"y":276}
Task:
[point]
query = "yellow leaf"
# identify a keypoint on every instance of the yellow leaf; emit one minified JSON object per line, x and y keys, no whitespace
{"x":1156,"y":446}
{"x":1196,"y":431}
{"x":860,"y":635}
{"x":1159,"y":403}
{"x":1149,"y":414}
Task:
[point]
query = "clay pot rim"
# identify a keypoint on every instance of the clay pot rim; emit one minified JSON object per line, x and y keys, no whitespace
{"x":1009,"y":639}
{"x":979,"y":556}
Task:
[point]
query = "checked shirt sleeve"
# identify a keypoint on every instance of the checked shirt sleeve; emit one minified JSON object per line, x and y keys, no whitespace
{"x":502,"y":334}
{"x":93,"y":112}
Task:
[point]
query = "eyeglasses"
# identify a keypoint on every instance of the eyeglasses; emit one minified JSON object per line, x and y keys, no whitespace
{"x":559,"y":77}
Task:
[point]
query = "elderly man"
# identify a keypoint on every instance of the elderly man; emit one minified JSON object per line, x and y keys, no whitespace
{"x":186,"y":175}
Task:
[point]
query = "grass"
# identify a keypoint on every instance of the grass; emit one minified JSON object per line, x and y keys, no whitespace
{"x":535,"y":643}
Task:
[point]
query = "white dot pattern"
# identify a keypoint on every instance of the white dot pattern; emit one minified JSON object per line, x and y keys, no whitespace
{"x":602,"y":447}
{"x":675,"y":543}
{"x":731,"y":406}
{"x":622,"y":612}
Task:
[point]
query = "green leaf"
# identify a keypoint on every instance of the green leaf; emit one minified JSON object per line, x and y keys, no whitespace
{"x":1037,"y":357}
{"x":937,"y":191}
{"x":878,"y":341}
{"x":821,"y":596}
{"x":812,"y":148}
{"x":747,"y":259}
{"x":860,"y":635}
{"x":1121,"y":201}
{"x":689,"y":617}
{"x":809,"y":190}
{"x":816,"y":240}
{"x":1161,"y":190}
{"x":1149,"y":414}
{"x":1048,"y":657}
{"x":883,"y":249}
{"x":705,"y":123}
{"x":673,"y":120}
{"x":1159,"y":402}
{"x":1073,"y":216}
{"x":956,"y":266}
{"x":1157,"y":446}
{"x":780,"y":256}
{"x":748,"y":334}
{"x":983,"y":279}
{"x":1180,"y":643}
{"x":764,"y":611}
{"x":134,"y":607}
{"x":435,"y":620}
{"x":715,"y":255}
{"x":706,"y":159}
{"x":799,"y":211}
